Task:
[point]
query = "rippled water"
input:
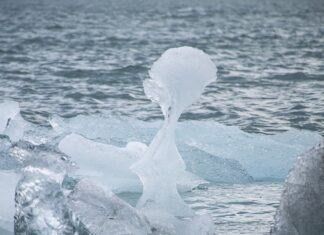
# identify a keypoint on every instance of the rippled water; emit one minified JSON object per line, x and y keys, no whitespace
{"x":71,"y":57}
{"x":76,"y":56}
{"x":238,"y":209}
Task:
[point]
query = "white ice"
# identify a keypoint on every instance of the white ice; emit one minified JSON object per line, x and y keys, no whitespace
{"x":11,"y":122}
{"x":261,"y":156}
{"x":177,"y":79}
{"x":108,"y":165}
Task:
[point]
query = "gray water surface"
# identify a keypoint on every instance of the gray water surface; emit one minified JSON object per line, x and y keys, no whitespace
{"x":72,"y":57}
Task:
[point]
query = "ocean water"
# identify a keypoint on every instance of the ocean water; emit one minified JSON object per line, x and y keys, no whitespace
{"x":72,"y":57}
{"x":79,"y":57}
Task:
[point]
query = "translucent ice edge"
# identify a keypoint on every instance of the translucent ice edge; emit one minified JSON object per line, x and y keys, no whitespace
{"x":204,"y":145}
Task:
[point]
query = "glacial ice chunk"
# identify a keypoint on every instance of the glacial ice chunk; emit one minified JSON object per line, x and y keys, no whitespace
{"x":103,"y":213}
{"x":8,"y":111}
{"x":213,"y":168}
{"x":108,"y":165}
{"x":8,"y":182}
{"x":178,"y":78}
{"x":262,"y":156}
{"x":105,"y":164}
{"x":301,"y":210}
{"x":11,"y":122}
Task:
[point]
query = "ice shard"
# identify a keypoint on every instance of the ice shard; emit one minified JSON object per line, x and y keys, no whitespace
{"x":301,"y":210}
{"x":177,"y":79}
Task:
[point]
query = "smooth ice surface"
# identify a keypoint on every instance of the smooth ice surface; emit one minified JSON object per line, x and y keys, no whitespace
{"x":11,"y":122}
{"x":261,"y":156}
{"x":103,"y":213}
{"x":106,"y":164}
{"x":8,"y":111}
{"x":8,"y":182}
{"x":177,"y":79}
{"x":301,"y":210}
{"x":109,"y":165}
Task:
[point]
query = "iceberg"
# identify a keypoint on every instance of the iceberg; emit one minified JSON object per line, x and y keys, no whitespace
{"x":263,"y":157}
{"x":109,"y":165}
{"x":173,"y":75}
{"x":301,"y":210}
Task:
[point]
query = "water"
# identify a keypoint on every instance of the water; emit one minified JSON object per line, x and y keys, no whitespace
{"x":75,"y":57}
{"x":78,"y":57}
{"x":237,"y":209}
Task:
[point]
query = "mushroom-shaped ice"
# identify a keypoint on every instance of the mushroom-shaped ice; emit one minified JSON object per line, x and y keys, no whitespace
{"x":177,"y":79}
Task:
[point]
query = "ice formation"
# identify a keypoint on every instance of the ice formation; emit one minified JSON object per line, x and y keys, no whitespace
{"x":8,"y":182}
{"x":263,"y":157}
{"x":11,"y":123}
{"x":178,"y":78}
{"x":301,"y":210}
{"x":103,"y":213}
{"x":105,"y":164}
{"x":9,"y":110}
{"x":109,"y":166}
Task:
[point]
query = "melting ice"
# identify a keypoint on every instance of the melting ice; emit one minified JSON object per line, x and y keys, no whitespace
{"x":107,"y":154}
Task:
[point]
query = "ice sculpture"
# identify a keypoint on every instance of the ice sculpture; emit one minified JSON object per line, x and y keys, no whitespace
{"x":178,"y":78}
{"x":301,"y":210}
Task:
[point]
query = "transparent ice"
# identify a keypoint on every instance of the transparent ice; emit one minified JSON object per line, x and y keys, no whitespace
{"x":301,"y":210}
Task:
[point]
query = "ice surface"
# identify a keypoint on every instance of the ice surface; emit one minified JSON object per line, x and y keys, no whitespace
{"x":109,"y":165}
{"x":301,"y":210}
{"x":8,"y":111}
{"x":213,"y":168}
{"x":261,"y":156}
{"x":8,"y":182}
{"x":102,"y":213}
{"x":177,"y":80}
{"x":11,"y":123}
{"x":105,"y":164}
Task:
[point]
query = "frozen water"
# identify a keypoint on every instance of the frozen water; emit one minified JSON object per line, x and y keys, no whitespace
{"x":11,"y":123}
{"x":106,"y":164}
{"x":261,"y":156}
{"x":178,"y":78}
{"x":8,"y":111}
{"x":109,"y":165}
{"x":213,"y":168}
{"x":301,"y":210}
{"x":103,"y":213}
{"x":8,"y":182}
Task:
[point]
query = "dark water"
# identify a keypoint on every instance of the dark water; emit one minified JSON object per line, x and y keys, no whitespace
{"x":72,"y":57}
